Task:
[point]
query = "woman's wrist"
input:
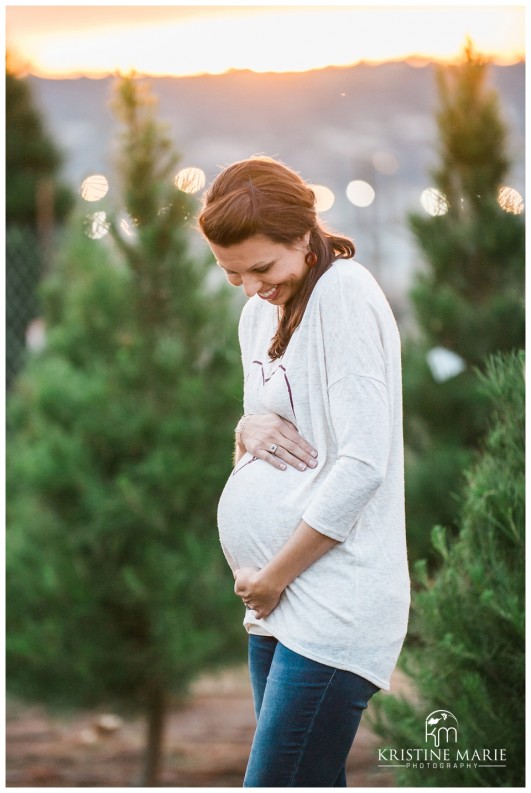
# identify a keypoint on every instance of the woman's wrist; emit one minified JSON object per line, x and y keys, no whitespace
{"x":238,"y":429}
{"x":270,"y":582}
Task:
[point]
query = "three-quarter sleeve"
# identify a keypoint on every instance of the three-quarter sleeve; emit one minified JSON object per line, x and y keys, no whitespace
{"x":358,"y":411}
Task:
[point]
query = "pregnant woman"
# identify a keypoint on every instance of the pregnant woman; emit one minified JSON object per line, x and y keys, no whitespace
{"x":311,"y":520}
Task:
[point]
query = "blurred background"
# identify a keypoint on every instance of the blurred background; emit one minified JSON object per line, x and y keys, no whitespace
{"x":123,"y":374}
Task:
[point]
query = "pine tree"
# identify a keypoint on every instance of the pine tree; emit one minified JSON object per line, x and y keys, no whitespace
{"x":468,"y":300}
{"x":32,"y":156}
{"x":467,"y":648}
{"x":36,"y":201}
{"x":119,"y":438}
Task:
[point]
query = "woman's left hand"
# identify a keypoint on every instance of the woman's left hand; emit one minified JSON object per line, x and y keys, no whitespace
{"x":257,"y":594}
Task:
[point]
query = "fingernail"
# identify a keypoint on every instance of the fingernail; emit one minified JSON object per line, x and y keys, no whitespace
{"x":283,"y":467}
{"x":312,"y":463}
{"x":314,"y":453}
{"x":302,"y":466}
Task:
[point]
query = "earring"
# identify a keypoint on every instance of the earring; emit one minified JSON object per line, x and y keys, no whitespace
{"x":311,"y":259}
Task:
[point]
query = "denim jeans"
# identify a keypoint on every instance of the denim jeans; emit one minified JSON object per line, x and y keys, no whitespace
{"x":307,"y":716}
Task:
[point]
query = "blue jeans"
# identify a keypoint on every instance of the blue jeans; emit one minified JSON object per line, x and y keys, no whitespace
{"x":307,"y":716}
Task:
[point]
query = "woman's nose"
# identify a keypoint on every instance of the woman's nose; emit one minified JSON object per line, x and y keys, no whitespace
{"x":251,"y":285}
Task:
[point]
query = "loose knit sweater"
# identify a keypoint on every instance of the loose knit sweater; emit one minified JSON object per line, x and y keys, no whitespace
{"x":339,"y":382}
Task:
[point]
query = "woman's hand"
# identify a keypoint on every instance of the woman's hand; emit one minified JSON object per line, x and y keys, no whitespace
{"x":264,"y":432}
{"x":257,"y":593}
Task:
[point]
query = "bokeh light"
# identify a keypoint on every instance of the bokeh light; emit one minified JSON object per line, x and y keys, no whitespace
{"x":190,"y":180}
{"x":96,"y":225}
{"x":94,"y":187}
{"x":360,"y":193}
{"x":444,"y":364}
{"x":510,"y":200}
{"x":385,"y":162}
{"x":127,"y":227}
{"x":36,"y":335}
{"x":434,"y":202}
{"x":324,"y":197}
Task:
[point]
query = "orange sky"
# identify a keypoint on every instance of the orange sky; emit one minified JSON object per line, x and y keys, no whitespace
{"x":68,"y":40}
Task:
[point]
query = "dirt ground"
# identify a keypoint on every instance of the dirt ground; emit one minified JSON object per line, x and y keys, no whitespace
{"x":206,"y":745}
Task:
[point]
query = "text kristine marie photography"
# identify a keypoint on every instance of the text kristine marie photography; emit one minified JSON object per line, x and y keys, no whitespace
{"x":441,"y":749}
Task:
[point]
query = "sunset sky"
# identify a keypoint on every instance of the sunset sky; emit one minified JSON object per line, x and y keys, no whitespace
{"x":69,"y":40}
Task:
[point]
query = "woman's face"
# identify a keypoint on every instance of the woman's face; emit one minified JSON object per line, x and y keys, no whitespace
{"x":272,"y":270}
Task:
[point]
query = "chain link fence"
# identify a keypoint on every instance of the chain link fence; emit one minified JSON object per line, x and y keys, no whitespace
{"x":24,"y":269}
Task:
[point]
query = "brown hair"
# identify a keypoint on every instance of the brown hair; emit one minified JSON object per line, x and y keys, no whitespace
{"x":263,"y":196}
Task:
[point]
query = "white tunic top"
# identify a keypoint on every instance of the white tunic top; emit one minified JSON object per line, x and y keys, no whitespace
{"x":339,"y":382}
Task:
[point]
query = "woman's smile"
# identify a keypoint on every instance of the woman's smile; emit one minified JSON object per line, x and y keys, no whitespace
{"x":271,"y":293}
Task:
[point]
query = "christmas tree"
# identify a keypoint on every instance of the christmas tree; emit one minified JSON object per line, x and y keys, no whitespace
{"x":36,"y":202}
{"x":468,"y":300}
{"x":32,"y":156}
{"x":467,"y":646}
{"x":119,"y":441}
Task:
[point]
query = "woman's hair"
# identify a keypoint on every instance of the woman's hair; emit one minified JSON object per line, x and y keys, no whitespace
{"x":263,"y":196}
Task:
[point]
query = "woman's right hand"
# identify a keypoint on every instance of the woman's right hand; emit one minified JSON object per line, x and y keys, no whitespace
{"x":262,"y":432}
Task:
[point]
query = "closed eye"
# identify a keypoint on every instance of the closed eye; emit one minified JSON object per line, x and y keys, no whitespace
{"x":259,"y":270}
{"x":227,"y":272}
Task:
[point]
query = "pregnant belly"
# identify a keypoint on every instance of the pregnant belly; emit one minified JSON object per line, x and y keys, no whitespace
{"x":260,"y":508}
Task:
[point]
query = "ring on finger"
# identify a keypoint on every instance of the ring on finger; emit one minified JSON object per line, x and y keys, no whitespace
{"x":273,"y":448}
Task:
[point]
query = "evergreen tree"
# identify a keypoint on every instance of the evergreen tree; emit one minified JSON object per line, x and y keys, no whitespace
{"x":35,"y":201}
{"x":467,"y":652}
{"x":32,"y":157}
{"x":468,"y":300}
{"x":119,"y":438}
